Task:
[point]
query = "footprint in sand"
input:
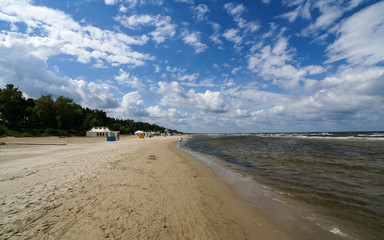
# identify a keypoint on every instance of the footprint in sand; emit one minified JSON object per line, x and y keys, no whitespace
{"x":152,"y":157}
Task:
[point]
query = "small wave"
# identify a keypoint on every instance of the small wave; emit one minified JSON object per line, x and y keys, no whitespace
{"x":337,"y":231}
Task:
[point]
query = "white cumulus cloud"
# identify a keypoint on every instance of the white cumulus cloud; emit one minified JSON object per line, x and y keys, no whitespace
{"x":361,"y":37}
{"x":274,"y":62}
{"x":175,"y":96}
{"x":50,"y":32}
{"x":200,"y":11}
{"x":193,"y":39}
{"x":125,"y":78}
{"x":131,"y":107}
{"x":164,"y":28}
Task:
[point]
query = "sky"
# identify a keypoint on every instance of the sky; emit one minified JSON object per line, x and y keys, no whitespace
{"x":212,"y":66}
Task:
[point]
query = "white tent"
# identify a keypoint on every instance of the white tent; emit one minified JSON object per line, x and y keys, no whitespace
{"x":99,"y":132}
{"x":138,"y":132}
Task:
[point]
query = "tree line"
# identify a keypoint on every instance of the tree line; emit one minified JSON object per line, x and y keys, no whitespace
{"x":48,"y":116}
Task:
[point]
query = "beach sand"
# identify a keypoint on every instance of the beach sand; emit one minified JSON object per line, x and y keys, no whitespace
{"x":129,"y":189}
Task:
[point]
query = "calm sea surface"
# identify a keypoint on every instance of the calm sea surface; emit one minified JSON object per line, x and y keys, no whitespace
{"x":336,"y":179}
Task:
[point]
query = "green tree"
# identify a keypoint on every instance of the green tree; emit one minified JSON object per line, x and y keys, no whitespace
{"x":12,"y":105}
{"x":63,"y":113}
{"x":30,"y":119}
{"x":68,"y":113}
{"x":95,"y":122}
{"x":45,"y":111}
{"x":94,"y":118}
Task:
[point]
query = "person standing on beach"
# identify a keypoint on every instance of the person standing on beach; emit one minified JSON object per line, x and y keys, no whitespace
{"x":180,"y":140}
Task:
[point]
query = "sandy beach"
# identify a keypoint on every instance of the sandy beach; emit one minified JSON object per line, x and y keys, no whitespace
{"x":129,"y":189}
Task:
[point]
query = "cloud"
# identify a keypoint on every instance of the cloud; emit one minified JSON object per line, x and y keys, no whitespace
{"x":232,"y":35}
{"x":341,"y":101}
{"x":252,"y":98}
{"x":207,"y":82}
{"x":325,"y":14}
{"x":134,"y":3}
{"x":185,"y":1}
{"x":273,"y":62}
{"x":200,"y":11}
{"x":215,"y":37}
{"x":93,"y":95}
{"x":329,"y":15}
{"x":361,"y":80}
{"x":171,"y":69}
{"x":131,"y":107}
{"x":164,"y":29}
{"x":157,"y":68}
{"x":349,"y":96}
{"x":110,"y":2}
{"x":126,"y":78}
{"x":302,"y":11}
{"x":175,"y":96}
{"x":235,"y":70}
{"x":50,"y":32}
{"x":236,"y":10}
{"x":193,"y":39}
{"x":166,"y":117}
{"x":135,"y":22}
{"x":188,"y":77}
{"x":360,"y":38}
{"x":29,"y":73}
{"x":244,"y":28}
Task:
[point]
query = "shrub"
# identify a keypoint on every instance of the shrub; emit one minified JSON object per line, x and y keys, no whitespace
{"x":3,"y":131}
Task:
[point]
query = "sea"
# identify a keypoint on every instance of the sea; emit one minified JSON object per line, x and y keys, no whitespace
{"x":317,"y":185}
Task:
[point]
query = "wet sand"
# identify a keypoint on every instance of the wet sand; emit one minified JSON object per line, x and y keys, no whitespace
{"x":129,"y":189}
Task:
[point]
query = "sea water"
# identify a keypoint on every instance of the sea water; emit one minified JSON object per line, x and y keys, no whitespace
{"x":333,"y":180}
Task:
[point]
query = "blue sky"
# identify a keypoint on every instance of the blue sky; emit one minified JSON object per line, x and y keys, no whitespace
{"x":204,"y":66}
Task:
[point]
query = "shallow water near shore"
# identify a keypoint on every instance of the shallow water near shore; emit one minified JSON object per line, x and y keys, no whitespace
{"x":333,"y":182}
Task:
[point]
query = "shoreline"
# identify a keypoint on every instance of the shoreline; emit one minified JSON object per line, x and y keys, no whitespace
{"x":281,"y":211}
{"x":232,"y":206}
{"x":132,"y":188}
